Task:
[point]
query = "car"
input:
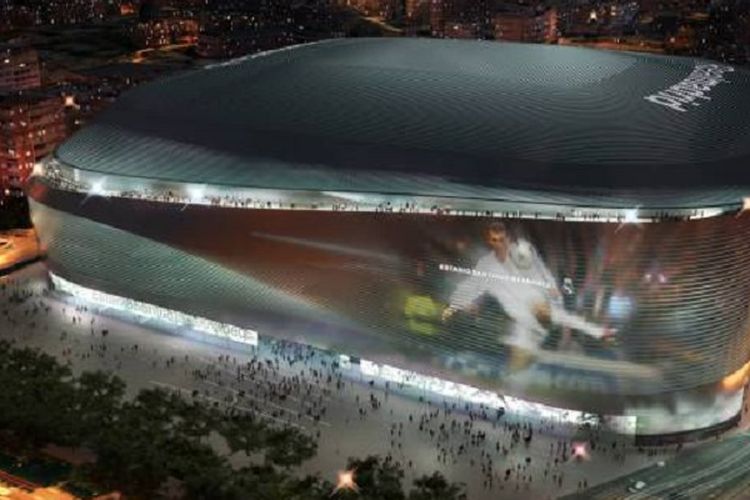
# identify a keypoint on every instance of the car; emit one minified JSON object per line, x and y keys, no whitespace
{"x":636,"y":486}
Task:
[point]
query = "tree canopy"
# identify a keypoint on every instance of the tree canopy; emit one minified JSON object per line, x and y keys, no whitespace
{"x":158,"y":438}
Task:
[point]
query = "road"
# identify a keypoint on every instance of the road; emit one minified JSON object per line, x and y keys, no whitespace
{"x":140,"y":55}
{"x":379,"y":21}
{"x":718,"y":469}
{"x":17,"y":247}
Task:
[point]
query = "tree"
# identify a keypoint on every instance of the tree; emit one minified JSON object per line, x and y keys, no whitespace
{"x":436,"y":487}
{"x":131,"y":453}
{"x":376,"y":479}
{"x":196,"y":421}
{"x":288,"y":447}
{"x":97,"y":402}
{"x":157,"y":440}
{"x":308,"y":488}
{"x":38,"y":398}
{"x":14,"y":212}
{"x":244,"y":433}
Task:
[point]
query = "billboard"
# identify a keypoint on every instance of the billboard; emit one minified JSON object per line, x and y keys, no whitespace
{"x":615,"y":316}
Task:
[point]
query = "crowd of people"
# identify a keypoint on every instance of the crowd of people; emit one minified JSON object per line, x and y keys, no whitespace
{"x":296,"y":385}
{"x":60,"y":178}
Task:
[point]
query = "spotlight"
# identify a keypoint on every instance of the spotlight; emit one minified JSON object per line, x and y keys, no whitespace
{"x":580,"y":452}
{"x":345,"y":481}
{"x":631,"y":216}
{"x":97,"y":188}
{"x":196,"y":193}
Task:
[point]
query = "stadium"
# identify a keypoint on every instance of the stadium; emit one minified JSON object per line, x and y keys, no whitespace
{"x":553,"y":225}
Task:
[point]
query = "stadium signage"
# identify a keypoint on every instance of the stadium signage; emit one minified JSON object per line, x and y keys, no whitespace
{"x":497,"y":276}
{"x":697,"y":85}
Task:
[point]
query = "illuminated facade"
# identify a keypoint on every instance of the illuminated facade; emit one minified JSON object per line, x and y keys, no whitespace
{"x":19,"y":69}
{"x":31,"y":126}
{"x":526,"y":25}
{"x":445,"y":253}
{"x":165,"y":31}
{"x":171,"y":317}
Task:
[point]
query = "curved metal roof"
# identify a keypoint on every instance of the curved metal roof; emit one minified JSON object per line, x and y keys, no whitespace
{"x":439,"y":117}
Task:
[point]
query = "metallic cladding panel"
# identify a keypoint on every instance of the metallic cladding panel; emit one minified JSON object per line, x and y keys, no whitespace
{"x":374,"y":285}
{"x":465,"y":116}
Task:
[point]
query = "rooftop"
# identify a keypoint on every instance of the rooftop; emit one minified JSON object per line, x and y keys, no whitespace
{"x":440,"y":118}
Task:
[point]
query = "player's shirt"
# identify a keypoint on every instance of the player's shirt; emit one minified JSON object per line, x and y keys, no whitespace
{"x":519,"y":291}
{"x":503,"y":281}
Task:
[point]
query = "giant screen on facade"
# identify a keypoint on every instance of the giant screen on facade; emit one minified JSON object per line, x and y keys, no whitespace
{"x":644,"y":312}
{"x":630,"y":314}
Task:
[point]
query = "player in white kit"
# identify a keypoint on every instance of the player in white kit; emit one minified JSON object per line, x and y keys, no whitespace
{"x":514,"y":274}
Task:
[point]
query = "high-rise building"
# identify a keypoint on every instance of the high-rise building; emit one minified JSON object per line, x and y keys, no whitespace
{"x":544,"y":27}
{"x":165,"y":31}
{"x":31,"y":126}
{"x":384,"y":9}
{"x":726,"y":36}
{"x":150,"y":10}
{"x":461,"y":18}
{"x":416,"y":9}
{"x":512,"y":24}
{"x":520,"y":24}
{"x":19,"y":68}
{"x":437,"y":17}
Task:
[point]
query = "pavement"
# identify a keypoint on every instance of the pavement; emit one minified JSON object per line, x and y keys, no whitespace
{"x":340,"y":416}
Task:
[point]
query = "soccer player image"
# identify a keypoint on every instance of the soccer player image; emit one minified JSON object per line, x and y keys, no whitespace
{"x":514,"y":274}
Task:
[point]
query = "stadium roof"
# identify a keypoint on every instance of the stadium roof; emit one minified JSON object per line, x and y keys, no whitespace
{"x":441,"y":118}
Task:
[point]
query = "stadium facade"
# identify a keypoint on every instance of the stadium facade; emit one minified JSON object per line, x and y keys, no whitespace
{"x":554,"y":223}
